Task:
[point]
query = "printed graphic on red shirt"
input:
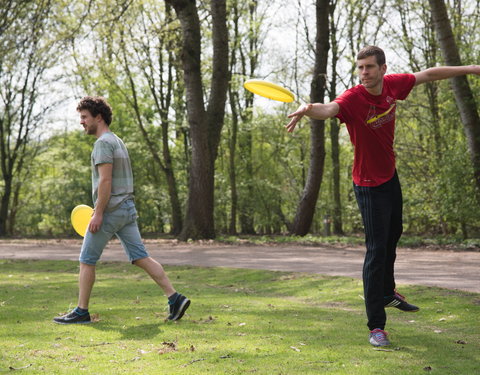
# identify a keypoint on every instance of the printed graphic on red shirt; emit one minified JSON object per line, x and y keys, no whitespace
{"x":375,"y":121}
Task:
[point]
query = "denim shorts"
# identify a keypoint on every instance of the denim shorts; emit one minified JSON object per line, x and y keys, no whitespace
{"x":121,"y":222}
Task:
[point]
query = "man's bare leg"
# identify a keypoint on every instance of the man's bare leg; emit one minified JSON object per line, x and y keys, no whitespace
{"x":86,"y":279}
{"x":157,"y":273}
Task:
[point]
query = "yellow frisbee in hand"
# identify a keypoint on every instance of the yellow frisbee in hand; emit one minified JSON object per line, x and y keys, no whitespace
{"x":80,"y":217}
{"x":269,"y":90}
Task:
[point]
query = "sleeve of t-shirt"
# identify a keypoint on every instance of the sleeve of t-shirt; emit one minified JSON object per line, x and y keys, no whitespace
{"x":344,"y":101}
{"x":102,"y":152}
{"x":401,"y":84}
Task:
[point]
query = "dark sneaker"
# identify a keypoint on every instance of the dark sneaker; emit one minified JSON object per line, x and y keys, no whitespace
{"x":398,"y":301}
{"x":73,"y":318}
{"x":178,"y":307}
{"x":378,"y":337}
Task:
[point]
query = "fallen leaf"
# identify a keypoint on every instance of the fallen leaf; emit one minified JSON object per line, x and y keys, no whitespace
{"x":169,"y":347}
{"x":428,"y":368}
{"x":294,"y":348}
{"x":19,"y":368}
{"x":170,"y":344}
{"x":99,"y":344}
{"x":461,"y":342}
{"x":95,"y":318}
{"x":193,"y":361}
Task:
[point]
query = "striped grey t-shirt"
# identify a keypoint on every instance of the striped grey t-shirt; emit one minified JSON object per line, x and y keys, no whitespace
{"x":108,"y":148}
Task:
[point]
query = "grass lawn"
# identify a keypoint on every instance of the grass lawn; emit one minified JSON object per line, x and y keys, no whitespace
{"x":240,"y":322}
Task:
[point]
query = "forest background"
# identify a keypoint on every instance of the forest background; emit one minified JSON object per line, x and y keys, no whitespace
{"x":173,"y":73}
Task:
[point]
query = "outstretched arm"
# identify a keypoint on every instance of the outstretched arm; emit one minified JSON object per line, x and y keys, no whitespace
{"x":443,"y":72}
{"x":317,"y":111}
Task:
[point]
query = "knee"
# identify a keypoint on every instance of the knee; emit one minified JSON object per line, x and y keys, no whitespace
{"x":140,"y":261}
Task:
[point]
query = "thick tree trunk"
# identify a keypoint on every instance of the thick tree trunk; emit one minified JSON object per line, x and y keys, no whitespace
{"x":205,"y":125}
{"x":306,"y":207}
{"x":461,"y":89}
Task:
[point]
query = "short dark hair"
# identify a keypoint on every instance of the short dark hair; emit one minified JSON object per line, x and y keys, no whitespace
{"x":96,"y":105}
{"x":372,"y":51}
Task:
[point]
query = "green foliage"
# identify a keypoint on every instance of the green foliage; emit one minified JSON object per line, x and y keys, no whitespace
{"x":435,"y":169}
{"x":126,"y":51}
{"x":60,"y":180}
{"x":240,"y":321}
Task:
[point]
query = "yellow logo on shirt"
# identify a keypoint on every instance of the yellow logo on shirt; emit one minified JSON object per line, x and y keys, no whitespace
{"x":380,"y":116}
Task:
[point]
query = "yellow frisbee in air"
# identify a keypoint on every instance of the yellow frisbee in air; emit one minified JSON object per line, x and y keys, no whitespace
{"x":80,"y":217}
{"x":269,"y":90}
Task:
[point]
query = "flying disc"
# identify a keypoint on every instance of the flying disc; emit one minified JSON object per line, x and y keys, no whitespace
{"x":269,"y":90}
{"x":80,"y":217}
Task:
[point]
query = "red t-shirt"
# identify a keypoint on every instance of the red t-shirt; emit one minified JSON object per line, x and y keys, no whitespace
{"x":370,"y":122}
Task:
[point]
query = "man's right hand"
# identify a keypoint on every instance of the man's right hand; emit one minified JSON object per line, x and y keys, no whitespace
{"x":95,"y":222}
{"x":297,"y":116}
{"x":317,"y":111}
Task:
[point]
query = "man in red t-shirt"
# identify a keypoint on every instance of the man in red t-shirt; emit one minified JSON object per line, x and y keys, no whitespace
{"x":368,"y":110}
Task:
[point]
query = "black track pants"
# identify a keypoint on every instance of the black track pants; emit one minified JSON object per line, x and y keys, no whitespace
{"x":381,"y":209}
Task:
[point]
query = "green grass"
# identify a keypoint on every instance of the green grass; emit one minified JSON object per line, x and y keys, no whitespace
{"x":240,"y":322}
{"x":447,"y":242}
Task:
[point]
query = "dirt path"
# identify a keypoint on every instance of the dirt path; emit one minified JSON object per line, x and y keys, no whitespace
{"x":443,"y":268}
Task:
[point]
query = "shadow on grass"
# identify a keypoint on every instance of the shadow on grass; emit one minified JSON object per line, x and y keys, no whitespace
{"x":137,"y":332}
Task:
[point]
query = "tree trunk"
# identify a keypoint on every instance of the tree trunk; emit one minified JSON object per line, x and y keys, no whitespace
{"x":4,"y":205}
{"x":334,"y":133}
{"x":248,"y":65}
{"x":306,"y":207}
{"x":232,"y":146}
{"x":461,"y":89}
{"x":205,"y":125}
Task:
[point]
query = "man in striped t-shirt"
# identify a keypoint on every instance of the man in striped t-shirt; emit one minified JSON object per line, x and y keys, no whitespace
{"x":114,"y":213}
{"x":109,"y":149}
